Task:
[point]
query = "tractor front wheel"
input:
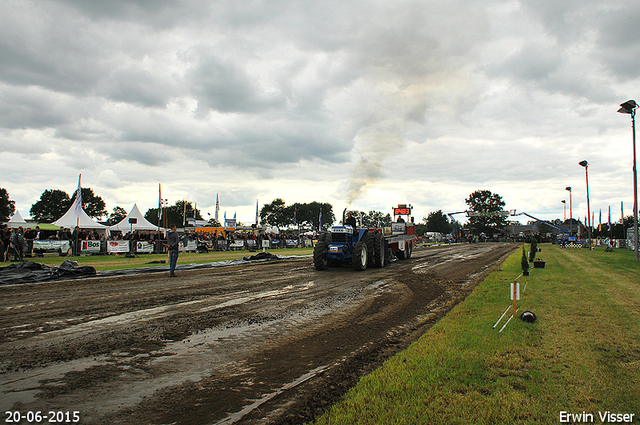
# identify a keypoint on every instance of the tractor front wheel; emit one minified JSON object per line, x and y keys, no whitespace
{"x":359,"y":259}
{"x":319,"y":260}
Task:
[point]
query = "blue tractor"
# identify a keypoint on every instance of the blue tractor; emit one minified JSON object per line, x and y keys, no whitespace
{"x":344,"y":244}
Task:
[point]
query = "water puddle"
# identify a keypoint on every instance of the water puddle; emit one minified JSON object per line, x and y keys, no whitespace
{"x":23,"y":386}
{"x":235,"y":417}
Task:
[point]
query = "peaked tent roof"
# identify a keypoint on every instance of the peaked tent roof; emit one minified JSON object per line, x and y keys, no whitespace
{"x":16,"y":220}
{"x":70,"y":220}
{"x":142,"y":224}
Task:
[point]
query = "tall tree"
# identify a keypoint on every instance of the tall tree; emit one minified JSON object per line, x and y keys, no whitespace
{"x":372,"y":218}
{"x":276,"y":214}
{"x":7,"y":206}
{"x":308,"y":214}
{"x":174,"y":214}
{"x":437,"y":221}
{"x":186,"y":210}
{"x":488,"y":214}
{"x":117,"y":216}
{"x":52,"y":205}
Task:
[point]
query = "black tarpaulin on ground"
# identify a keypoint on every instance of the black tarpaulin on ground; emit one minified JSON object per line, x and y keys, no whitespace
{"x":262,"y":256}
{"x":29,"y":272}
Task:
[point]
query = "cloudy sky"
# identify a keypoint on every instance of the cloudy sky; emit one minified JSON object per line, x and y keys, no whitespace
{"x":360,"y":102}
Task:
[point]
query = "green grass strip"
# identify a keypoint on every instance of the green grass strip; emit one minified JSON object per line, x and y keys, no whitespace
{"x":581,"y":356}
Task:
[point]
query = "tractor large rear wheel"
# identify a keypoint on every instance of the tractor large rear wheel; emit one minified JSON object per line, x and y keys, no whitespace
{"x":369,"y":242}
{"x":378,"y":250}
{"x":359,"y":259}
{"x":319,"y":260}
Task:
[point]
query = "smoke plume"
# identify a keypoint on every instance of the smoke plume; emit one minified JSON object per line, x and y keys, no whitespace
{"x":375,"y":143}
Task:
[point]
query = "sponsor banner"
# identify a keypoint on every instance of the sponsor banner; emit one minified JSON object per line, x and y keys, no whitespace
{"x":251,"y":243}
{"x":90,"y":247}
{"x":237,"y":245}
{"x":190,"y":246}
{"x":291,"y":243}
{"x":144,"y":247}
{"x":118,"y":246}
{"x":51,"y":245}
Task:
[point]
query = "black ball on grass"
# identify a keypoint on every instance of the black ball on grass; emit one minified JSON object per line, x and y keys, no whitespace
{"x":528,"y":317}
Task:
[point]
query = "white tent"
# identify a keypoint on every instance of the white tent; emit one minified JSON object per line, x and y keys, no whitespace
{"x":16,"y":221}
{"x":272,"y":229}
{"x":142,"y":223}
{"x":70,"y":220}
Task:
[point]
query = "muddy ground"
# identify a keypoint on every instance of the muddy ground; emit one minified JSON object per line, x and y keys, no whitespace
{"x":275,"y":342}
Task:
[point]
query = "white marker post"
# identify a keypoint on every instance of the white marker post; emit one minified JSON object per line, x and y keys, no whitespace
{"x":515,"y":294}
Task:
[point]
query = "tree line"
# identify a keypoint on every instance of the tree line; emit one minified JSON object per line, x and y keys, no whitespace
{"x":489,"y":214}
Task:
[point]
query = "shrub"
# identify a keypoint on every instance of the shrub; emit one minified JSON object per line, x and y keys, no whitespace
{"x":534,"y":249}
{"x":525,"y":261}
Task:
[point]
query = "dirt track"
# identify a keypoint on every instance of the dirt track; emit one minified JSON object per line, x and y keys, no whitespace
{"x":265,"y":343}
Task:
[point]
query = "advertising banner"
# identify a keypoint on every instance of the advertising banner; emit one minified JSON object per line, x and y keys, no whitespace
{"x":190,"y":246}
{"x":90,"y":247}
{"x":51,"y":245}
{"x":144,"y":247}
{"x":118,"y":246}
{"x":237,"y":245}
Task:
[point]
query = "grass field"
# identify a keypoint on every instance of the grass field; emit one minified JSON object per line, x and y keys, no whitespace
{"x":581,"y":356}
{"x":113,"y":262}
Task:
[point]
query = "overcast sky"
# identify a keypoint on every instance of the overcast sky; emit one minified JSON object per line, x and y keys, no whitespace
{"x":367,"y":103}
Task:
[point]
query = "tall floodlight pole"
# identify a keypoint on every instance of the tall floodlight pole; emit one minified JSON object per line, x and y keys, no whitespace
{"x":585,"y":164}
{"x":570,"y":211}
{"x":629,"y":107}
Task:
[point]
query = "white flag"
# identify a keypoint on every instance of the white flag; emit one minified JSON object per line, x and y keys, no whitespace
{"x":78,"y":200}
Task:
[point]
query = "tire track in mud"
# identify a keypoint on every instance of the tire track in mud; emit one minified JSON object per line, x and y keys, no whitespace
{"x":280,"y":340}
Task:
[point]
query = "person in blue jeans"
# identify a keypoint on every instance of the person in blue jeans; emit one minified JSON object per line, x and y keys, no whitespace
{"x":172,"y":245}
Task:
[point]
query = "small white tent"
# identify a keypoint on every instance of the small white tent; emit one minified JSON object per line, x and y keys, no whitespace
{"x":70,"y":220}
{"x":16,"y":221}
{"x":141,"y":224}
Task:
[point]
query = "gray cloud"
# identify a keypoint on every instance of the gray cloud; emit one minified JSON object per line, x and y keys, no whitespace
{"x":225,"y":87}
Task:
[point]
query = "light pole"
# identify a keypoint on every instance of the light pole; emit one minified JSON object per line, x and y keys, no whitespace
{"x":585,"y":164}
{"x":570,"y":211}
{"x":629,"y":107}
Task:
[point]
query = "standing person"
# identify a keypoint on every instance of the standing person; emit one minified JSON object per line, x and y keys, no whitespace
{"x":18,"y":244}
{"x":172,"y":244}
{"x":75,"y":237}
{"x":5,"y":240}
